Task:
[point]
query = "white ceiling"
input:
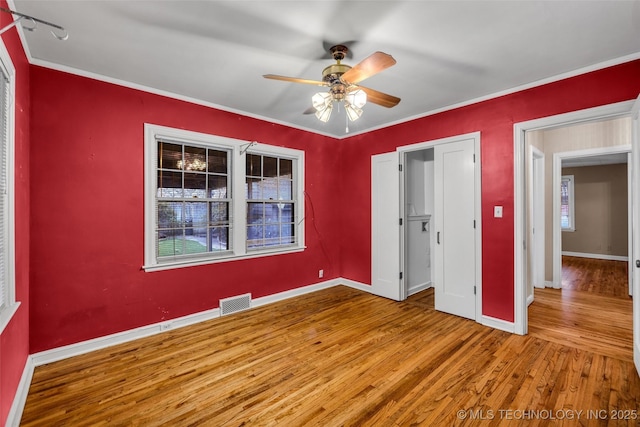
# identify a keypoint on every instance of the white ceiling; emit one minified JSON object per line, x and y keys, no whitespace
{"x":215,"y":52}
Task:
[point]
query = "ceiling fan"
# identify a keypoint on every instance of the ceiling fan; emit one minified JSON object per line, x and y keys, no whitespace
{"x":342,"y":81}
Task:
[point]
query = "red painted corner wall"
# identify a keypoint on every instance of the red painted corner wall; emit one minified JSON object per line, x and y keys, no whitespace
{"x":87,"y":197}
{"x":87,"y":200}
{"x":14,"y":340}
{"x":494,"y":119}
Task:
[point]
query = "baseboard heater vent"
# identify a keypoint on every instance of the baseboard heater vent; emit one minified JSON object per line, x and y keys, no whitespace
{"x":235,"y":304}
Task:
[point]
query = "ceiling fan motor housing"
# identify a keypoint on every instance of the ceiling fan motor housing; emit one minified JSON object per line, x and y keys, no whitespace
{"x":331,"y":75}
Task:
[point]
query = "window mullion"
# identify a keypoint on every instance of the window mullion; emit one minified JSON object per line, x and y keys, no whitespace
{"x":239,"y":201}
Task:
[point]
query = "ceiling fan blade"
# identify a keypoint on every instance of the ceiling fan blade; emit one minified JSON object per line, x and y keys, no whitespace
{"x":310,"y":110}
{"x":294,"y":80}
{"x":380,"y":98}
{"x":369,"y":66}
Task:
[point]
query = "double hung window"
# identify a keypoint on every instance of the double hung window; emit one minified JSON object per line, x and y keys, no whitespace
{"x":210,"y":199}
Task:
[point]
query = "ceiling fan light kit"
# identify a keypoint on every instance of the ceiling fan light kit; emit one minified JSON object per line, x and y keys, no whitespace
{"x":342,"y":81}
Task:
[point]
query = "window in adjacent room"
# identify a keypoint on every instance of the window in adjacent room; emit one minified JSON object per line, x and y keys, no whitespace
{"x":8,"y":303}
{"x":210,"y":199}
{"x":567,"y":208}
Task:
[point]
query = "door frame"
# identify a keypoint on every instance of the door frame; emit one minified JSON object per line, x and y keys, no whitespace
{"x":616,"y":110}
{"x":537,"y":220}
{"x":557,"y":176}
{"x":402,"y":151}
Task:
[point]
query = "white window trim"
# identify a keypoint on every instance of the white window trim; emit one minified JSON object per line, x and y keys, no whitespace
{"x":11,"y":306}
{"x":238,"y":150}
{"x":572,"y":203}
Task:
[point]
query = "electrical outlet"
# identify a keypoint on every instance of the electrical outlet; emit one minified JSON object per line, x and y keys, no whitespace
{"x":320,"y":274}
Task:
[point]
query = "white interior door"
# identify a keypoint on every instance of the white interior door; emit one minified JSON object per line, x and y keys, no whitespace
{"x":537,"y":219}
{"x":455,"y":257}
{"x":635,"y":234}
{"x":385,"y":226}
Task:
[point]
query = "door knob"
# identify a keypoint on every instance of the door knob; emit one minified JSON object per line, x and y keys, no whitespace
{"x":638,"y":263}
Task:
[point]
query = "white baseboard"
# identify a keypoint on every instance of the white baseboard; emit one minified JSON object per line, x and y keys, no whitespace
{"x":17,"y":407}
{"x":418,"y":288}
{"x":596,"y":256}
{"x":269,"y":299}
{"x":500,"y":324}
{"x":551,"y":284}
{"x":529,"y":299}
{"x":59,"y":353}
{"x":353,"y":284}
{"x":83,"y":347}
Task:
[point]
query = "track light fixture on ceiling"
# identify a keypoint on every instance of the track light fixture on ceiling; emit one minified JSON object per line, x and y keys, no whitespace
{"x":342,"y":81}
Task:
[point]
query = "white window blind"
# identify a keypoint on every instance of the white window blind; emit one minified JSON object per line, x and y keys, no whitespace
{"x":8,"y":304}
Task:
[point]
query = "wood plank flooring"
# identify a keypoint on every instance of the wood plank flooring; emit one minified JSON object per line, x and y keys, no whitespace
{"x":597,"y":276}
{"x":336,"y":357}
{"x":592,"y":311}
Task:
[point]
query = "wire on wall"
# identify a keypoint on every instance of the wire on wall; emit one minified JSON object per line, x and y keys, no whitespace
{"x":313,"y":222}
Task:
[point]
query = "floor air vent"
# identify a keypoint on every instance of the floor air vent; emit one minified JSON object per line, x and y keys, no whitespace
{"x":235,"y":304}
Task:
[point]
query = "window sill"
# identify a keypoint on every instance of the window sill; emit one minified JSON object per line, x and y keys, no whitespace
{"x":195,"y":262}
{"x":7,"y":314}
{"x":570,"y":230}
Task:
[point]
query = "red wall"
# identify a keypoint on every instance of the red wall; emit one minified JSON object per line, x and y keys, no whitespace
{"x":494,"y":119}
{"x":87,"y":200}
{"x":14,"y":341}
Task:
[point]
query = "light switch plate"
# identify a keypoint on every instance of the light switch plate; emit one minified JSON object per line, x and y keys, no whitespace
{"x":497,"y":211}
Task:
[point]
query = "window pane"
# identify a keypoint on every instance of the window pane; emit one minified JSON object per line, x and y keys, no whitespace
{"x":195,"y":185}
{"x":195,"y":159}
{"x":287,"y":234}
{"x":286,"y":212}
{"x":272,"y":235}
{"x":169,"y":184}
{"x":169,"y":214}
{"x":255,"y":213}
{"x":253,"y":188}
{"x":219,"y":213}
{"x":219,"y":239}
{"x":169,"y":156}
{"x":285,"y":189}
{"x":218,"y":161}
{"x":271,"y":212}
{"x":195,"y":240}
{"x":270,"y":165}
{"x":217,"y":186}
{"x":195,"y":214}
{"x":170,"y":243}
{"x":286,"y":168}
{"x":255,"y":234}
{"x":253,"y":165}
{"x":270,"y":189}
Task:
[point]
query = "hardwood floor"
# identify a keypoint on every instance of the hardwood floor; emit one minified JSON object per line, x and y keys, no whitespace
{"x":592,"y":311}
{"x":331,"y":358}
{"x":597,"y":276}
